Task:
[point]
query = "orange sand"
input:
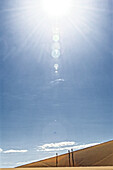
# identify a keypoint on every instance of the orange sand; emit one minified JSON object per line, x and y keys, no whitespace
{"x":78,"y":168}
{"x":99,"y":155}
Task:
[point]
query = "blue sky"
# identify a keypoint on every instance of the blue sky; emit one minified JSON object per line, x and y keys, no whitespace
{"x":73,"y":108}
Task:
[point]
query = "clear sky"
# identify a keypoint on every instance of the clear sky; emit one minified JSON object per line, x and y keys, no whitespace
{"x":38,"y":106}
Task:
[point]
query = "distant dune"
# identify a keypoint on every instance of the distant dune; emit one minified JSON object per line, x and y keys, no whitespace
{"x":99,"y":155}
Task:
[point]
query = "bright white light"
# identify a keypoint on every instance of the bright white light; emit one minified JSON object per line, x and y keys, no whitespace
{"x":56,"y":66}
{"x":56,"y":8}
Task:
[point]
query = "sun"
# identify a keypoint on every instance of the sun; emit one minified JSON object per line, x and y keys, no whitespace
{"x":56,"y":8}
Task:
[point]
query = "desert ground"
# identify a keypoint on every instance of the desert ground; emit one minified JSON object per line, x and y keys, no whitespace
{"x":96,"y":156}
{"x":71,"y":168}
{"x":99,"y":157}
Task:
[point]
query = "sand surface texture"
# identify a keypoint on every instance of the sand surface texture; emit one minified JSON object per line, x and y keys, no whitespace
{"x":68,"y":168}
{"x":99,"y":155}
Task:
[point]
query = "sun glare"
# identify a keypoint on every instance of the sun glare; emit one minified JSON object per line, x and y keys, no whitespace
{"x":57,"y":8}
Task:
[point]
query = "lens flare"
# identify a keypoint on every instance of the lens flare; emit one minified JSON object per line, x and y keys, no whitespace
{"x":56,"y":37}
{"x":56,"y":66}
{"x":56,"y":54}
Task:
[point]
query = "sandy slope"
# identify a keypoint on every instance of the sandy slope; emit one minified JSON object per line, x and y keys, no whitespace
{"x":99,"y":155}
{"x":71,"y":168}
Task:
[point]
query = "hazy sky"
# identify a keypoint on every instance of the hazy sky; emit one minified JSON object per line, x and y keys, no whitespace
{"x":38,"y":106}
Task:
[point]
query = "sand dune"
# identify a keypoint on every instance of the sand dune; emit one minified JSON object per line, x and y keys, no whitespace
{"x":99,"y":155}
{"x":67,"y":168}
